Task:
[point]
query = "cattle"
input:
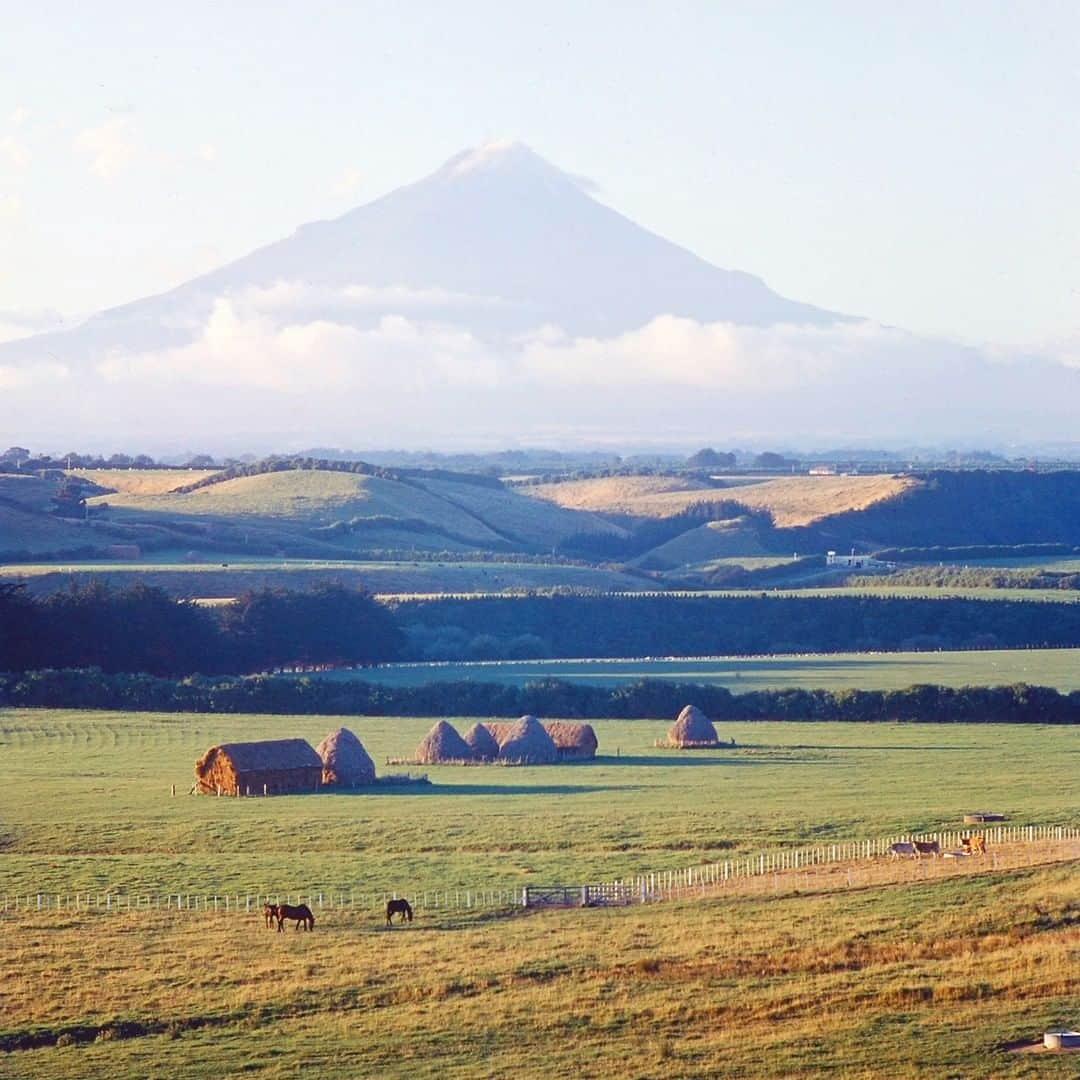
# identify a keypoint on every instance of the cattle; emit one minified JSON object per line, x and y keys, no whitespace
{"x":926,"y":847}
{"x":974,"y":845}
{"x":901,"y":849}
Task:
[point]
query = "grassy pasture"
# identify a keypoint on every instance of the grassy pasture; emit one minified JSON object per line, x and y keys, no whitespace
{"x":86,"y":803}
{"x":143,"y":481}
{"x":1059,"y":668}
{"x":919,"y":981}
{"x":792,"y":500}
{"x":927,"y":979}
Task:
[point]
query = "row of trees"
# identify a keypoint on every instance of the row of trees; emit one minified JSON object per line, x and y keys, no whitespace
{"x":672,"y":625}
{"x":1017,"y":704}
{"x":143,"y":629}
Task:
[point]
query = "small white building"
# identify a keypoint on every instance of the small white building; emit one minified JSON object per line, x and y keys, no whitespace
{"x":857,"y":562}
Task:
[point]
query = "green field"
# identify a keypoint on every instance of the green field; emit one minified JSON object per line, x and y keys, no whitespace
{"x":1059,"y":668}
{"x":866,"y":982}
{"x":228,"y":576}
{"x":86,"y":802}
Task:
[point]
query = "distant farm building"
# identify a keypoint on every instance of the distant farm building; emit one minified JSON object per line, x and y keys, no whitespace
{"x":279,"y":766}
{"x":345,"y":762}
{"x":857,"y":562}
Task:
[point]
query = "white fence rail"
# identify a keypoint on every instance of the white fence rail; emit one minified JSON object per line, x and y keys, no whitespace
{"x":640,"y":888}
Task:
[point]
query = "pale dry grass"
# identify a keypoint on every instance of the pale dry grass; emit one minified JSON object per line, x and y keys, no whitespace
{"x":793,"y":501}
{"x":622,"y":494}
{"x":802,"y":500}
{"x":144,"y":481}
{"x":923,"y":980}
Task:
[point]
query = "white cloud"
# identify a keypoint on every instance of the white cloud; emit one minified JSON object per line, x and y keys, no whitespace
{"x":17,"y":378}
{"x":11,"y":205}
{"x":16,"y":153}
{"x":241,"y":349}
{"x":347,"y":182}
{"x":111,"y":147}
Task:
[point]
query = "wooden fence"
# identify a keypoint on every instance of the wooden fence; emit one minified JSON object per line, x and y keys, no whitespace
{"x":640,"y":888}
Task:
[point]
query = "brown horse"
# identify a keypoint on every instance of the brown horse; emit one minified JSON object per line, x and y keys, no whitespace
{"x":269,"y":915}
{"x":302,"y":914}
{"x":398,"y":907}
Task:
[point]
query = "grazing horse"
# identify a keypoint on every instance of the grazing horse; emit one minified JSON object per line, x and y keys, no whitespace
{"x":927,"y":847}
{"x":269,"y":915}
{"x":974,"y":845}
{"x":301,"y":914}
{"x":398,"y":907}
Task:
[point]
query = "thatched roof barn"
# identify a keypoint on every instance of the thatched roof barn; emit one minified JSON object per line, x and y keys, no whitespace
{"x":528,"y":744}
{"x":442,"y":745}
{"x":575,"y":742}
{"x":283,"y":766}
{"x":345,"y":762}
{"x":693,"y":729}
{"x":484,"y":745}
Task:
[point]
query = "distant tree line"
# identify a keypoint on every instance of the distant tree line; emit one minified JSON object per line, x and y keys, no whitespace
{"x":276,"y":464}
{"x":658,"y":624}
{"x":143,"y":629}
{"x":973,"y":577}
{"x":939,"y":553}
{"x":646,"y":699}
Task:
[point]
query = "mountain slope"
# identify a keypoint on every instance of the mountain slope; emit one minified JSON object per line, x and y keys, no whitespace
{"x":497,"y":236}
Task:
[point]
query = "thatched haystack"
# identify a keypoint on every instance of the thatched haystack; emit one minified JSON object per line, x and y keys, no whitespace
{"x":575,"y":742}
{"x":484,"y":745}
{"x":528,"y":744}
{"x":442,"y":745}
{"x":692,"y":730}
{"x":345,"y":762}
{"x":281,"y":766}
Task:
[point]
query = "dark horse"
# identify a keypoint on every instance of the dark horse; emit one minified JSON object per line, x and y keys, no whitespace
{"x":398,"y":907}
{"x":301,"y":914}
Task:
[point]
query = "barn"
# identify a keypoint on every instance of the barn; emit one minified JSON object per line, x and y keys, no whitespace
{"x":280,"y":766}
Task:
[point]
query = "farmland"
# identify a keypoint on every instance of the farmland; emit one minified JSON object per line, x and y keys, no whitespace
{"x":1059,"y":668}
{"x":792,"y":501}
{"x":881,"y":981}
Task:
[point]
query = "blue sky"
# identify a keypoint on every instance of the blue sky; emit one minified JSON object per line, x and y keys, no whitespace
{"x":915,"y":163}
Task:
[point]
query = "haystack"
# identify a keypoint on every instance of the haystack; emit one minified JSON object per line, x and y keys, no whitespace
{"x":575,"y":742}
{"x":345,"y":762}
{"x":692,"y":729}
{"x":528,"y":744}
{"x":442,"y":745}
{"x":484,"y":745}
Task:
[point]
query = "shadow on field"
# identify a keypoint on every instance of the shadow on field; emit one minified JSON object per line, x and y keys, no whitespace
{"x":890,"y":749}
{"x":491,"y":789}
{"x":660,"y":760}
